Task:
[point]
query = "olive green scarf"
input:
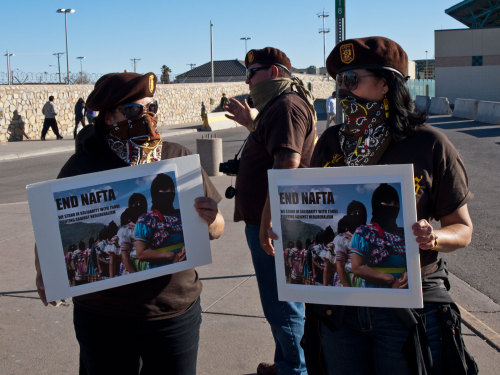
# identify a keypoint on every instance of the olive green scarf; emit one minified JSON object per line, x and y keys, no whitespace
{"x":265,"y":91}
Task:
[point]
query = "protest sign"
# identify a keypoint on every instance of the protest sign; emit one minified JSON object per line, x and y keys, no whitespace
{"x":106,"y":229}
{"x":345,"y":235}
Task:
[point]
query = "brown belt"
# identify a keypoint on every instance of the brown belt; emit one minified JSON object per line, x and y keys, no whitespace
{"x":429,"y":268}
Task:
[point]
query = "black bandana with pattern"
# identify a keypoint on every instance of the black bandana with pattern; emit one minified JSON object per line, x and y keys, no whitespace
{"x":365,"y":136}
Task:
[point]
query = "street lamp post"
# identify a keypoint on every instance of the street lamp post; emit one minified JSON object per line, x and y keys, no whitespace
{"x":9,"y":71}
{"x":81,"y":68}
{"x":134,"y":60}
{"x":212,"y":51}
{"x":58,"y":54}
{"x":246,"y":38}
{"x":323,"y":31}
{"x":66,"y":11}
{"x":425,"y":73}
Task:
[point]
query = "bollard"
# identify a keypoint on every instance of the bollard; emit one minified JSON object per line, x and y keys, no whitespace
{"x":210,"y":151}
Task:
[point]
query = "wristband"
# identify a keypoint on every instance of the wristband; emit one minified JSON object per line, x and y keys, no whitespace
{"x":435,"y":243}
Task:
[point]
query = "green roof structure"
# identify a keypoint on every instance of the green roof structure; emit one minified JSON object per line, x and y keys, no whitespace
{"x":476,"y":14}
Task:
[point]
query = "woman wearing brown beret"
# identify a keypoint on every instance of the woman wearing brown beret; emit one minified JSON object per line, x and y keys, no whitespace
{"x":151,"y":326}
{"x":383,"y":127}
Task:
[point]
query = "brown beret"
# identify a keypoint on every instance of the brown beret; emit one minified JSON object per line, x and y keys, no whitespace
{"x":114,"y":89}
{"x":374,"y":52}
{"x":268,"y":56}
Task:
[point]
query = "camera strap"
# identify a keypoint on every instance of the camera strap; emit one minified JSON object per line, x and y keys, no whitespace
{"x":241,"y":148}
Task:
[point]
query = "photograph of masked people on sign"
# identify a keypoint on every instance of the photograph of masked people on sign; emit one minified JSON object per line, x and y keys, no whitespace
{"x":330,"y":242}
{"x":120,"y":228}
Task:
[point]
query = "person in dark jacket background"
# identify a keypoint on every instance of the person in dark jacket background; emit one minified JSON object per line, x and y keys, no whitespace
{"x":79,"y":115}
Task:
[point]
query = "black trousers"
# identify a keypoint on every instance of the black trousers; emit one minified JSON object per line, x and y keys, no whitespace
{"x":116,"y":345}
{"x":50,"y":123}
{"x":80,"y":120}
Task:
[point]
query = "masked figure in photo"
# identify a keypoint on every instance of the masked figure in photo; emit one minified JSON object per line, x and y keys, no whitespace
{"x":378,"y":249}
{"x":137,"y":205}
{"x":158,"y":233}
{"x":343,"y":252}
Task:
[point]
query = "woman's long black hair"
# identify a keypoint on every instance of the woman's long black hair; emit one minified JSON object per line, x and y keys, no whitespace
{"x":403,"y":116}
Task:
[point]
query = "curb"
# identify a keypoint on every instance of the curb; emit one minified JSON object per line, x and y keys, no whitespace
{"x":480,"y":329}
{"x":173,"y":133}
{"x":23,"y":155}
{"x":55,"y":150}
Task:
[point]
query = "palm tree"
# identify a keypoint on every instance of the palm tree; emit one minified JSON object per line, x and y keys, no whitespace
{"x":165,"y":77}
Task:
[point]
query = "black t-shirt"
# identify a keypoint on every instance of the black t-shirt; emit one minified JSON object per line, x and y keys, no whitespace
{"x":158,"y":298}
{"x":440,"y":179}
{"x":287,"y":123}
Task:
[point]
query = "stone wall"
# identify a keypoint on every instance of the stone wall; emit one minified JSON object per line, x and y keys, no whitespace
{"x":21,"y":105}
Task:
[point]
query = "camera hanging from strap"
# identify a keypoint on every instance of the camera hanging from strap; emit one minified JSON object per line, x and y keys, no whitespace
{"x":231,"y":169}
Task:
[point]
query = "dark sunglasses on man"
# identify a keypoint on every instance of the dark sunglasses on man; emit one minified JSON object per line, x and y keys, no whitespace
{"x":132,"y":110}
{"x":350,"y":80}
{"x":251,"y":72}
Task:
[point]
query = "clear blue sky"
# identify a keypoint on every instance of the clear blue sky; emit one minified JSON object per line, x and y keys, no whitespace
{"x":176,"y":33}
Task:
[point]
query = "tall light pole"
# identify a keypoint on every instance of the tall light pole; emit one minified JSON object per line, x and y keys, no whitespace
{"x":212,"y":49}
{"x":134,"y":60}
{"x":323,"y":31}
{"x":9,"y":71}
{"x":191,"y":66}
{"x":66,"y":11}
{"x":81,"y":68}
{"x":58,"y":54}
{"x":425,"y":73}
{"x":340,"y":27}
{"x":245,"y":38}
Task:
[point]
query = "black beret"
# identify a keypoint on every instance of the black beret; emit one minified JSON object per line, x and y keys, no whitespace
{"x":374,"y":52}
{"x":114,"y":89}
{"x":268,"y":56}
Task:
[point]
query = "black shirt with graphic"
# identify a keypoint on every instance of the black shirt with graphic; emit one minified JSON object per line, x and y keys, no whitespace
{"x":440,"y":179}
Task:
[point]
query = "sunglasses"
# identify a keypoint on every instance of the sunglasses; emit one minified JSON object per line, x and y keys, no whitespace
{"x":350,"y":79}
{"x":131,"y":110}
{"x":251,"y":72}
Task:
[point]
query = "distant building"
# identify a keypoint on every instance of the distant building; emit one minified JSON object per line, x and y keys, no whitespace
{"x":310,"y":70}
{"x":424,"y":69}
{"x":468,"y":60}
{"x":224,"y":71}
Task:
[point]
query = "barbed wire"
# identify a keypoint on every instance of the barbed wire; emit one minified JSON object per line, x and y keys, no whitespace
{"x":30,"y":78}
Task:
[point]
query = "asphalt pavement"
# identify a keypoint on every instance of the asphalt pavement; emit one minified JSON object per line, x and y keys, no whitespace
{"x":234,"y":335}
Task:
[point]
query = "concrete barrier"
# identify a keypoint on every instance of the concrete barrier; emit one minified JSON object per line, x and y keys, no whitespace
{"x":210,"y":151}
{"x":422,"y":103}
{"x":440,"y":106}
{"x":465,"y":108}
{"x":488,"y":112}
{"x":218,"y":121}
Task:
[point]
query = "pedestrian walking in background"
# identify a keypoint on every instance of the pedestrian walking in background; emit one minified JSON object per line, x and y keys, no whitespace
{"x":203,"y":113}
{"x":331,"y":109}
{"x":79,"y":115}
{"x":49,"y":110}
{"x":223,"y":101}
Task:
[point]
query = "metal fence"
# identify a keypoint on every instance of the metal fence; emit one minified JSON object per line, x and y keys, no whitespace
{"x":426,"y":87}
